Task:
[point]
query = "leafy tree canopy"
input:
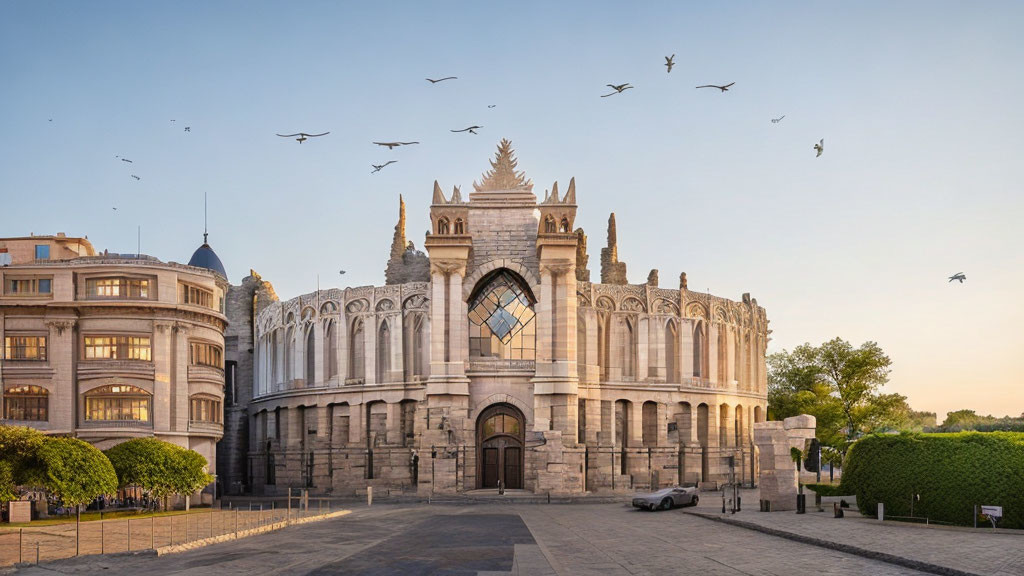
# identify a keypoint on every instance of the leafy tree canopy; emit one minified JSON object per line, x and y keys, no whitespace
{"x":159,"y":468}
{"x":19,"y":460}
{"x":76,"y":471}
{"x":837,"y":384}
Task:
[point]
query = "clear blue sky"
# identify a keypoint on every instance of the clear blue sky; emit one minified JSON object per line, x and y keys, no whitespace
{"x":918,"y":102}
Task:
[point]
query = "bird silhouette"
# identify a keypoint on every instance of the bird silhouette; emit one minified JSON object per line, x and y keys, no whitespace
{"x":115,"y":207}
{"x":432,"y":81}
{"x":126,"y":160}
{"x":820,"y":147}
{"x":391,"y":145}
{"x":136,"y":177}
{"x":471,"y":129}
{"x":669,"y":62}
{"x":779,"y":119}
{"x":378,"y":167}
{"x":619,"y":89}
{"x":958,"y":276}
{"x":722,"y":88}
{"x":341,"y":271}
{"x":302,"y":136}
{"x":491,"y":105}
{"x":188,"y":128}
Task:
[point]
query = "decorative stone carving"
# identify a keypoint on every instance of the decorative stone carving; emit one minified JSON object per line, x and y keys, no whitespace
{"x":446,"y":266}
{"x":612,"y":271}
{"x":385,"y":305}
{"x":357,"y":306}
{"x":582,"y":274}
{"x":503,"y":174}
{"x":605,"y":303}
{"x":61,"y":325}
{"x":632,"y":305}
{"x":682,"y":281}
{"x":416,"y":302}
{"x":663,"y":306}
{"x":652,"y":278}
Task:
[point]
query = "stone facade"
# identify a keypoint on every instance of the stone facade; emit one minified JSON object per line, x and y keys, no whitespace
{"x":106,"y":347}
{"x":505,"y":365}
{"x":778,"y":474}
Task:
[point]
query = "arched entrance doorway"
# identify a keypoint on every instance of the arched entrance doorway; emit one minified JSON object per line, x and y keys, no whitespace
{"x":500,"y":430}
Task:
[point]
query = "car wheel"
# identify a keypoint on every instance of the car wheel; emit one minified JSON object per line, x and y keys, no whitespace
{"x":695,"y":500}
{"x":666,"y":504}
{"x":651,"y":507}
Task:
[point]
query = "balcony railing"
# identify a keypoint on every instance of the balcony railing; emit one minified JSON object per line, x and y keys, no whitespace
{"x":501,"y":365}
{"x":116,"y":424}
{"x":87,"y":368}
{"x":203,"y":372}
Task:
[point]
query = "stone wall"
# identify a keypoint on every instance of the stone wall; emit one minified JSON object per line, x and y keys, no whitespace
{"x":779,"y":478}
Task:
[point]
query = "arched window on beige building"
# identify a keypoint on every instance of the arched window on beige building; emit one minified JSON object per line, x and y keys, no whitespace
{"x":330,"y":351}
{"x":698,"y":350}
{"x":443,"y":226}
{"x":627,"y":353}
{"x":414,"y":342}
{"x":289,"y":354}
{"x":357,"y":351}
{"x":460,"y":226}
{"x":383,"y":352}
{"x":671,"y":353}
{"x":119,"y":403}
{"x":310,"y":375}
{"x":549,"y":224}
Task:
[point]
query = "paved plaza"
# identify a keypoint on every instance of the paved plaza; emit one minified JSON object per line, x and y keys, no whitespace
{"x":490,"y":539}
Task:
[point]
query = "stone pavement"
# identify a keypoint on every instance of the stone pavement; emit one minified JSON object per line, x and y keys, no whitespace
{"x":937,"y":549}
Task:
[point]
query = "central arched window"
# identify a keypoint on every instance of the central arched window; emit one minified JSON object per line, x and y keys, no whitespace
{"x":501,"y":319}
{"x":119,"y":402}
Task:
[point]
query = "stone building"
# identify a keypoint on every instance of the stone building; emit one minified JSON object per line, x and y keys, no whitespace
{"x":106,"y":347}
{"x":494,"y":359}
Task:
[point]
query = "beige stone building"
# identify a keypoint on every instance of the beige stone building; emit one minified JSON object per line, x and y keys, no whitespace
{"x":106,"y":347}
{"x":493,"y":359}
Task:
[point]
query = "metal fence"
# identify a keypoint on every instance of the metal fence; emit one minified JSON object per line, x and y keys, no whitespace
{"x":54,"y":542}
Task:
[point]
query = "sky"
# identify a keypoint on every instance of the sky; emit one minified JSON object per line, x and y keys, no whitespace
{"x":918,"y":103}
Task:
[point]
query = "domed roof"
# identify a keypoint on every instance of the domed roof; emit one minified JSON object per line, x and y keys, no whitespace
{"x":205,"y":257}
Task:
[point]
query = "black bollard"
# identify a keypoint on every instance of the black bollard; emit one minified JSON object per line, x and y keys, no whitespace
{"x":801,"y":503}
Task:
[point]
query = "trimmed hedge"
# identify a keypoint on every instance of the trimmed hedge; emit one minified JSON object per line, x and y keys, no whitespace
{"x":827,"y":489}
{"x":952,"y":472}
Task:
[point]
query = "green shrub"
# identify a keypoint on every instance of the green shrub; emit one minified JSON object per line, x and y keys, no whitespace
{"x":159,"y":468}
{"x":19,"y":460}
{"x":76,"y":471}
{"x":827,"y":489}
{"x":952,"y":472}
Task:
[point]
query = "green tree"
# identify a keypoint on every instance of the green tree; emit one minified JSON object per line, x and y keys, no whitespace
{"x":837,"y":384}
{"x":76,"y":471}
{"x":19,"y":460}
{"x":159,"y":468}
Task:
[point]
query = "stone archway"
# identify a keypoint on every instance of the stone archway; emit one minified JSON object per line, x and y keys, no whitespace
{"x":500,"y":432}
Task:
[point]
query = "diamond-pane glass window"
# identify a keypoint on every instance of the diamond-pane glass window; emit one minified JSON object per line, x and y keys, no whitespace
{"x":501,"y":316}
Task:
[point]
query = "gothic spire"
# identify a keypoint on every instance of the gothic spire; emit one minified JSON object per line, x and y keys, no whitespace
{"x":570,"y":195}
{"x":438,"y":195}
{"x":503,"y":174}
{"x":398,"y":243}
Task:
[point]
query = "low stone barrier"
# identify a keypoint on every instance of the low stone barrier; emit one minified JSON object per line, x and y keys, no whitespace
{"x":176,"y":548}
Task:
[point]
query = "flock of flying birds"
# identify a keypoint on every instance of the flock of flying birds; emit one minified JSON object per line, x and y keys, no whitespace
{"x":301,"y":137}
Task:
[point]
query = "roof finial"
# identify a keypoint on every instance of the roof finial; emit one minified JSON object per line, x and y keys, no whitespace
{"x":503,"y":174}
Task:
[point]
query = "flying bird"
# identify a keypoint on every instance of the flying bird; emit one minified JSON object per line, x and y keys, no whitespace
{"x":669,"y":62}
{"x":779,"y":119}
{"x":51,"y":119}
{"x":471,"y":129}
{"x":391,"y":145}
{"x":820,"y":147}
{"x":958,"y":276}
{"x":722,"y":88}
{"x":126,"y":160}
{"x":136,"y":177}
{"x":378,"y":167}
{"x":618,"y":89}
{"x":115,"y":207}
{"x":302,"y":136}
{"x":432,"y":81}
{"x":341,"y":271}
{"x":491,"y":105}
{"x":188,"y":128}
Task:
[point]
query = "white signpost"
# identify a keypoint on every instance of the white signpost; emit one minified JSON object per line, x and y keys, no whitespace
{"x":994,"y":513}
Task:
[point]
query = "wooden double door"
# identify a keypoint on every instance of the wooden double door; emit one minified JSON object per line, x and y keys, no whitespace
{"x":501,"y":429}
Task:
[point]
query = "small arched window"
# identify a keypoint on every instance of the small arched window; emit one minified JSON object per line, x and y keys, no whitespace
{"x":563,"y":226}
{"x":383,"y":352}
{"x":460,"y":227}
{"x":443,"y":226}
{"x":118,"y":403}
{"x":698,"y":348}
{"x":310,"y":375}
{"x":356,"y":347}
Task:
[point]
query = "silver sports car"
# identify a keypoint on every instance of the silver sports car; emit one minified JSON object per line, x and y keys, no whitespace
{"x":666,"y":499}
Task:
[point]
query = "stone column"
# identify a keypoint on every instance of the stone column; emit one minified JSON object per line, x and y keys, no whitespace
{"x":60,"y":351}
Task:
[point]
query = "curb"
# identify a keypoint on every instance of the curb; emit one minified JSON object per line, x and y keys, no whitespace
{"x":856,"y":551}
{"x":176,"y":548}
